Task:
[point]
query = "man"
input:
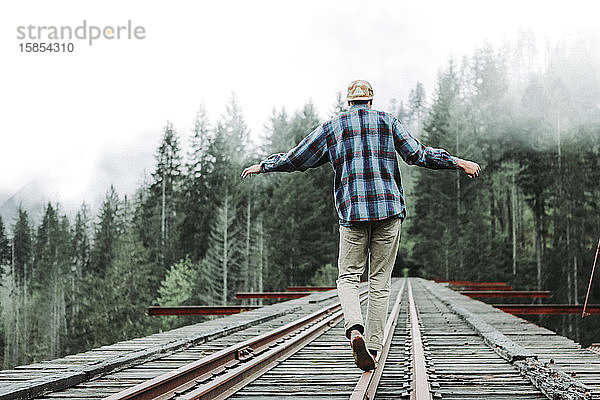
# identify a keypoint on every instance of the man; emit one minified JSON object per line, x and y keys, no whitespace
{"x":361,"y":145}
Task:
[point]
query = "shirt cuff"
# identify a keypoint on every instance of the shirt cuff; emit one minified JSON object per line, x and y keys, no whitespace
{"x":455,"y":161}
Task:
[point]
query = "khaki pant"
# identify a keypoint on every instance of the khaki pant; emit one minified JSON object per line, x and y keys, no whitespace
{"x":382,"y":239}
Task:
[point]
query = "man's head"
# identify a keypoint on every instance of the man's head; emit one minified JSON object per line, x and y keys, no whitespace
{"x":360,"y":92}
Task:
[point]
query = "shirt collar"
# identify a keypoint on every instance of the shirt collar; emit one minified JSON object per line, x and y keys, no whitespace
{"x":359,"y":106}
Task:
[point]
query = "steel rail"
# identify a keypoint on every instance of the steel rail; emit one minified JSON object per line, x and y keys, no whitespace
{"x":368,"y":382}
{"x":421,"y":389}
{"x":226,"y":371}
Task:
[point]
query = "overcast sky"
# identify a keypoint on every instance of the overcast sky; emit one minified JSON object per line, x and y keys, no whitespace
{"x":79,"y":121}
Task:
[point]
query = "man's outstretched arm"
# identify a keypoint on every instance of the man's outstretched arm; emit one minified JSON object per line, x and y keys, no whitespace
{"x":311,"y":152}
{"x":414,"y":152}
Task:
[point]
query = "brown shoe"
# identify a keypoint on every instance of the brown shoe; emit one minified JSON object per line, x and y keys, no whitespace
{"x":362,"y":357}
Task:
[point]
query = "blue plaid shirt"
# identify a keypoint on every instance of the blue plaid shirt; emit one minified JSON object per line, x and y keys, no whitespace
{"x":361,"y":145}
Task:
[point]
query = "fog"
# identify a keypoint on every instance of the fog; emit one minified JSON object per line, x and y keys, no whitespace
{"x":84,"y":120}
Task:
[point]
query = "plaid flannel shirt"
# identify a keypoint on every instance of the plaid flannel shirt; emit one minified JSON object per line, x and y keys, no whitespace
{"x":361,"y":145}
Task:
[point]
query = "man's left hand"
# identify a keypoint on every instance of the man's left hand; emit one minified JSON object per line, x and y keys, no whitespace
{"x":472,"y":169}
{"x":251,"y":170}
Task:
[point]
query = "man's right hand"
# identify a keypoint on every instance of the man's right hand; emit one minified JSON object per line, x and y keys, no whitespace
{"x":472,"y":169}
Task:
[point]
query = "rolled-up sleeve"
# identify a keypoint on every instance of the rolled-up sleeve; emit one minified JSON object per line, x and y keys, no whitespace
{"x":311,"y":152}
{"x":415,"y":153}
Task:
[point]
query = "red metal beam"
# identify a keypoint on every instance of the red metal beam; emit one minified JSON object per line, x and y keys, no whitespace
{"x":199,"y":310}
{"x":270,"y":295}
{"x":507,"y":293}
{"x":538,"y":309}
{"x":481,"y":287}
{"x":310,"y":288}
{"x":470,"y":283}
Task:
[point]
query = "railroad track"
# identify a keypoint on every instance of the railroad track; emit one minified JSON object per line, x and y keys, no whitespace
{"x":437,"y":344}
{"x":432,"y":349}
{"x":489,"y":364}
{"x":369,"y":381}
{"x":225,"y":372}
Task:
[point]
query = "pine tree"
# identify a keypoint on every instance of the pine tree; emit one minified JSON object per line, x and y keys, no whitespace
{"x":178,"y":288}
{"x":228,"y":151}
{"x":161,"y":214}
{"x":399,"y":110}
{"x":167,"y":184}
{"x":417,"y":107}
{"x":222,"y":259}
{"x":115,"y":310}
{"x":277,"y":138}
{"x":5,"y":250}
{"x":131,"y":289}
{"x":81,"y":259}
{"x":193,"y":239}
{"x":107,"y":230}
{"x":10,"y":299}
{"x":50,"y":279}
{"x":16,"y":294}
{"x":22,"y":249}
{"x":235,"y":130}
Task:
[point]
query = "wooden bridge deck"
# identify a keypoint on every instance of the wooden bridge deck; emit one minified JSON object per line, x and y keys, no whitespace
{"x":472,"y":350}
